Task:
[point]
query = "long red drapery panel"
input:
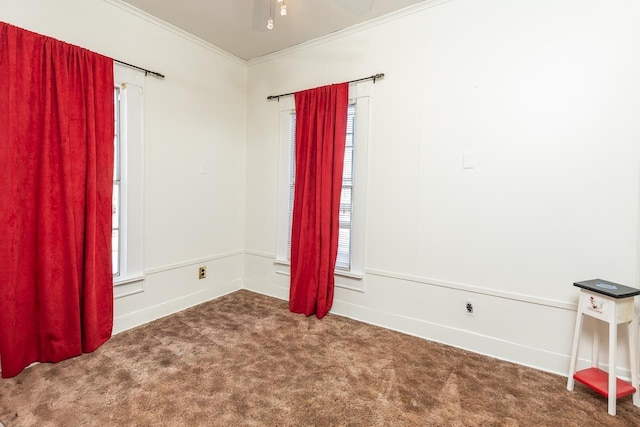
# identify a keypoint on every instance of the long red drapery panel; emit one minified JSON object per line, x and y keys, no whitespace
{"x":321,"y":125}
{"x":56,"y":152}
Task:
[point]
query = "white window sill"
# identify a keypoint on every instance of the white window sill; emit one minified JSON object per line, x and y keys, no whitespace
{"x":343,"y":279}
{"x":126,"y":286}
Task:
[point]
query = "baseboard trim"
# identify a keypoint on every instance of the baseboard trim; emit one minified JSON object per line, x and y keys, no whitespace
{"x":146,"y":315}
{"x":528,"y":356}
{"x":555,"y":363}
{"x":477,"y":343}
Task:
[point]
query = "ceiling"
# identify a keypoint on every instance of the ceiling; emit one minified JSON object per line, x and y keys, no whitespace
{"x":239,"y":27}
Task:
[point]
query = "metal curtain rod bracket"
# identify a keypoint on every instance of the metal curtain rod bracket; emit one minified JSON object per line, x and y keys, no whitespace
{"x":374,"y":77}
{"x":146,"y":72}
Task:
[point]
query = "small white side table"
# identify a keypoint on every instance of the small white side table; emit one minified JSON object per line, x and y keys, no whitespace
{"x":614,"y":304}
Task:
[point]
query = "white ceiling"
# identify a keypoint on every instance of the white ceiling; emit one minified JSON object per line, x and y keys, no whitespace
{"x":239,"y":28}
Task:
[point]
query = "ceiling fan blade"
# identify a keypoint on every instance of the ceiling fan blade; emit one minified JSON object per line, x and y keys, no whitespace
{"x":357,"y":7}
{"x":261,"y":9}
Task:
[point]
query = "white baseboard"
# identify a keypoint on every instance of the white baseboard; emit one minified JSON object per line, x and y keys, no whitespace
{"x":528,"y":356}
{"x":555,"y":363}
{"x":477,"y":343}
{"x":146,"y":315}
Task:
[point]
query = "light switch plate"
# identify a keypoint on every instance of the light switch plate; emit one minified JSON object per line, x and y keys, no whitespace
{"x":203,"y":168}
{"x":468,"y":160}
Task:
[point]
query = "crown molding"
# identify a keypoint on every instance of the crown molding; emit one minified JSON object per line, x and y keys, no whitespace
{"x":427,"y":4}
{"x":175,"y":30}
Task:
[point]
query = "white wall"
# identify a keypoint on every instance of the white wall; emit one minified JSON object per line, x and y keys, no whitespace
{"x":546,"y":95}
{"x":197,"y":114}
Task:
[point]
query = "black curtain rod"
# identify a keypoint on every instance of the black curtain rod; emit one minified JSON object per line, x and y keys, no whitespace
{"x":374,"y":78}
{"x":146,"y":72}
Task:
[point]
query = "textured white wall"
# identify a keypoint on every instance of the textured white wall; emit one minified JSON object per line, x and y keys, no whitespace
{"x":197,"y":114}
{"x":546,"y":96}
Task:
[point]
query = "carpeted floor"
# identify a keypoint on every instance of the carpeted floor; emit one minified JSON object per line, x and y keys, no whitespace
{"x":245,"y":360}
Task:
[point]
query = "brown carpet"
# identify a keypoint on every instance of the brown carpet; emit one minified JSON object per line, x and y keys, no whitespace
{"x":245,"y":360}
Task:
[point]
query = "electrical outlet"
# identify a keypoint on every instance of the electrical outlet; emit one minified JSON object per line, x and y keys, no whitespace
{"x":469,"y":307}
{"x":202,"y":272}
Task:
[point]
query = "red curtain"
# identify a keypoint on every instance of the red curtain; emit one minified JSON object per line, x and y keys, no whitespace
{"x":56,"y":152}
{"x":321,"y":126}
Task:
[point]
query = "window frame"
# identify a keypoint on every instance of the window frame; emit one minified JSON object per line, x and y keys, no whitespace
{"x":360,"y":95}
{"x":131,"y":149}
{"x":117,"y":184}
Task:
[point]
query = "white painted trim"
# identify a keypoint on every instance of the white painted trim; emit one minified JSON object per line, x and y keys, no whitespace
{"x":435,"y":282}
{"x":128,"y":280}
{"x":132,"y":193}
{"x":360,"y":94}
{"x":260,"y":254}
{"x":450,"y":285}
{"x":148,"y":314}
{"x":427,"y":4}
{"x":175,"y":30}
{"x":282,"y":266}
{"x":285,"y":160}
{"x":481,"y":344}
{"x":349,"y":282}
{"x":128,"y":287}
{"x":344,"y":280}
{"x":476,"y":289}
{"x":161,"y":269}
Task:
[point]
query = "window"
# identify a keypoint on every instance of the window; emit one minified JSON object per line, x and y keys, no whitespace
{"x":350,"y":260}
{"x":115,"y":210}
{"x":127,"y":219}
{"x":343,"y":261}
